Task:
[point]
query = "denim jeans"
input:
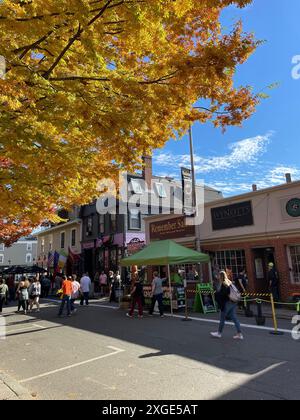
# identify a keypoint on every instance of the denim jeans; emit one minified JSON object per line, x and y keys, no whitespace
{"x":66,"y":299}
{"x":229,"y":312}
{"x":85,"y":297}
{"x":159,"y":299}
{"x":73,"y":305}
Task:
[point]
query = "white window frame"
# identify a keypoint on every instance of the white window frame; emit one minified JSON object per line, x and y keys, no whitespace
{"x":161,"y":190}
{"x":1,"y":258}
{"x":71,"y":239}
{"x":43,"y":246}
{"x":137,"y":213}
{"x":137,"y":187}
{"x":30,"y":257}
{"x":294,"y":281}
{"x":2,"y":247}
{"x":50,"y":243}
{"x":29,"y":247}
{"x":60,"y":240}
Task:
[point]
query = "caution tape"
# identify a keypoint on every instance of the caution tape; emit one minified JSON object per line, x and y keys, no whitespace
{"x":250,"y":295}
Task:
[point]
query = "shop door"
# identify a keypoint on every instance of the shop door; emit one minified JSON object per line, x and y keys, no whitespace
{"x":262,"y":258}
{"x":89,"y":261}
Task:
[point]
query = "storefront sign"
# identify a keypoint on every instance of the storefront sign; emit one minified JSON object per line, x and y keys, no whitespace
{"x":293,"y":207}
{"x":177,"y":293}
{"x":171,"y":229}
{"x":235,"y":215}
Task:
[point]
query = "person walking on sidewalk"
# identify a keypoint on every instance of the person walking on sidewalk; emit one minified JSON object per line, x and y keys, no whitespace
{"x":67,"y":294}
{"x":75,"y":291}
{"x":23,"y":295}
{"x":3,"y":293}
{"x":157,"y":294}
{"x":227,"y":299}
{"x":85,"y":285}
{"x":35,"y":291}
{"x":103,"y":283}
{"x":137,"y":295}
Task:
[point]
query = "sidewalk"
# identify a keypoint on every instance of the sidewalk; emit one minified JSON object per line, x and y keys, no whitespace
{"x":12,"y":390}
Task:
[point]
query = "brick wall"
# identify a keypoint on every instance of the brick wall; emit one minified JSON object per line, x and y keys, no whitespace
{"x":287,"y":288}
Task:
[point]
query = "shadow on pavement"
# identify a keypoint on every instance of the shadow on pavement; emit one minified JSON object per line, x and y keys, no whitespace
{"x":271,"y":362}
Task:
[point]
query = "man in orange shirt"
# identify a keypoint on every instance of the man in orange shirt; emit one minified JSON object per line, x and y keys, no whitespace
{"x":67,"y":295}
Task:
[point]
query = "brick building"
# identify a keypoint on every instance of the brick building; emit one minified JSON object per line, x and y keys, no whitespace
{"x":252,"y":230}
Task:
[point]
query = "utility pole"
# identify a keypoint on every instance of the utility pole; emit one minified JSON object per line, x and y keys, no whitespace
{"x":194,"y":191}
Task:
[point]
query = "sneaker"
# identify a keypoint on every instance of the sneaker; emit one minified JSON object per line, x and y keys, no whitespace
{"x":216,"y":335}
{"x":162,"y":316}
{"x":238,"y":337}
{"x":129,"y":316}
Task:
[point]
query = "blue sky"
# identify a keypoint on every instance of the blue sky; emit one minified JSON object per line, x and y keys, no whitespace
{"x":266,"y":147}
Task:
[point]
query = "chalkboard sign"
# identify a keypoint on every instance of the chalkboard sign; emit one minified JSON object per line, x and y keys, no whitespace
{"x":235,"y":215}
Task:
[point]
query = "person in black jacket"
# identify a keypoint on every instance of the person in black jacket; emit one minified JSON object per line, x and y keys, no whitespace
{"x":227,"y":307}
{"x":273,"y":281}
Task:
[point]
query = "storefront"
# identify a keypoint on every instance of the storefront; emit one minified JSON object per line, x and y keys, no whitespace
{"x":247,"y":231}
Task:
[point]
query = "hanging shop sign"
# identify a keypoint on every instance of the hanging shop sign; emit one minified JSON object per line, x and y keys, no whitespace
{"x":235,"y":215}
{"x":293,"y":207}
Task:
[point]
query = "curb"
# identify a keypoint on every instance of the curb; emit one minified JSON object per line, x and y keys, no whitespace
{"x":20,"y":392}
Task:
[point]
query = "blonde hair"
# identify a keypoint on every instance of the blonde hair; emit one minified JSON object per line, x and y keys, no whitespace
{"x":225,"y":280}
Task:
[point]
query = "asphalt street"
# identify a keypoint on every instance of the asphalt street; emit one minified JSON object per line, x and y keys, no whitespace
{"x":101,"y":354}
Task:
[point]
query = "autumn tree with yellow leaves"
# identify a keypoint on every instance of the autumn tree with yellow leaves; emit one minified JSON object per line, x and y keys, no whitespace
{"x":92,"y":85}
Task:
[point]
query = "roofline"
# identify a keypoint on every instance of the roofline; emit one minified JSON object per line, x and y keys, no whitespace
{"x":62,"y":226}
{"x":251,"y":194}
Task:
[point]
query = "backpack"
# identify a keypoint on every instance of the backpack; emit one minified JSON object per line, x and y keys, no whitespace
{"x":235,"y":295}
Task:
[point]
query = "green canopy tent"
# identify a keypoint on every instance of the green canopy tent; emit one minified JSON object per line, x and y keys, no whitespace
{"x":167,"y":253}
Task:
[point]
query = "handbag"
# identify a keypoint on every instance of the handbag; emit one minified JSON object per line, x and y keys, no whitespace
{"x":234,"y":295}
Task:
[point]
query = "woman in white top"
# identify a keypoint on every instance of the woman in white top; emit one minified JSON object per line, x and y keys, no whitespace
{"x":35,"y":290}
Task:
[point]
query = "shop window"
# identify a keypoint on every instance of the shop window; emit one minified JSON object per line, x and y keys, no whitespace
{"x":1,"y":247}
{"x":1,"y":259}
{"x":113,"y":258}
{"x":28,"y":258}
{"x":295,"y":261}
{"x":29,"y":247}
{"x":233,"y":259}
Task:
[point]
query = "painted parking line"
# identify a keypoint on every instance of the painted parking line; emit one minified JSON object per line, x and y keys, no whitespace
{"x":85,"y":362}
{"x":29,"y":328}
{"x":215,"y":321}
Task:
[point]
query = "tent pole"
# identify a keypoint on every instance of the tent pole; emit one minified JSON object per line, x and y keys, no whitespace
{"x":170,"y":289}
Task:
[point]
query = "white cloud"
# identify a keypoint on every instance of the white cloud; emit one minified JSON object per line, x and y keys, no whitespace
{"x":243,"y":152}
